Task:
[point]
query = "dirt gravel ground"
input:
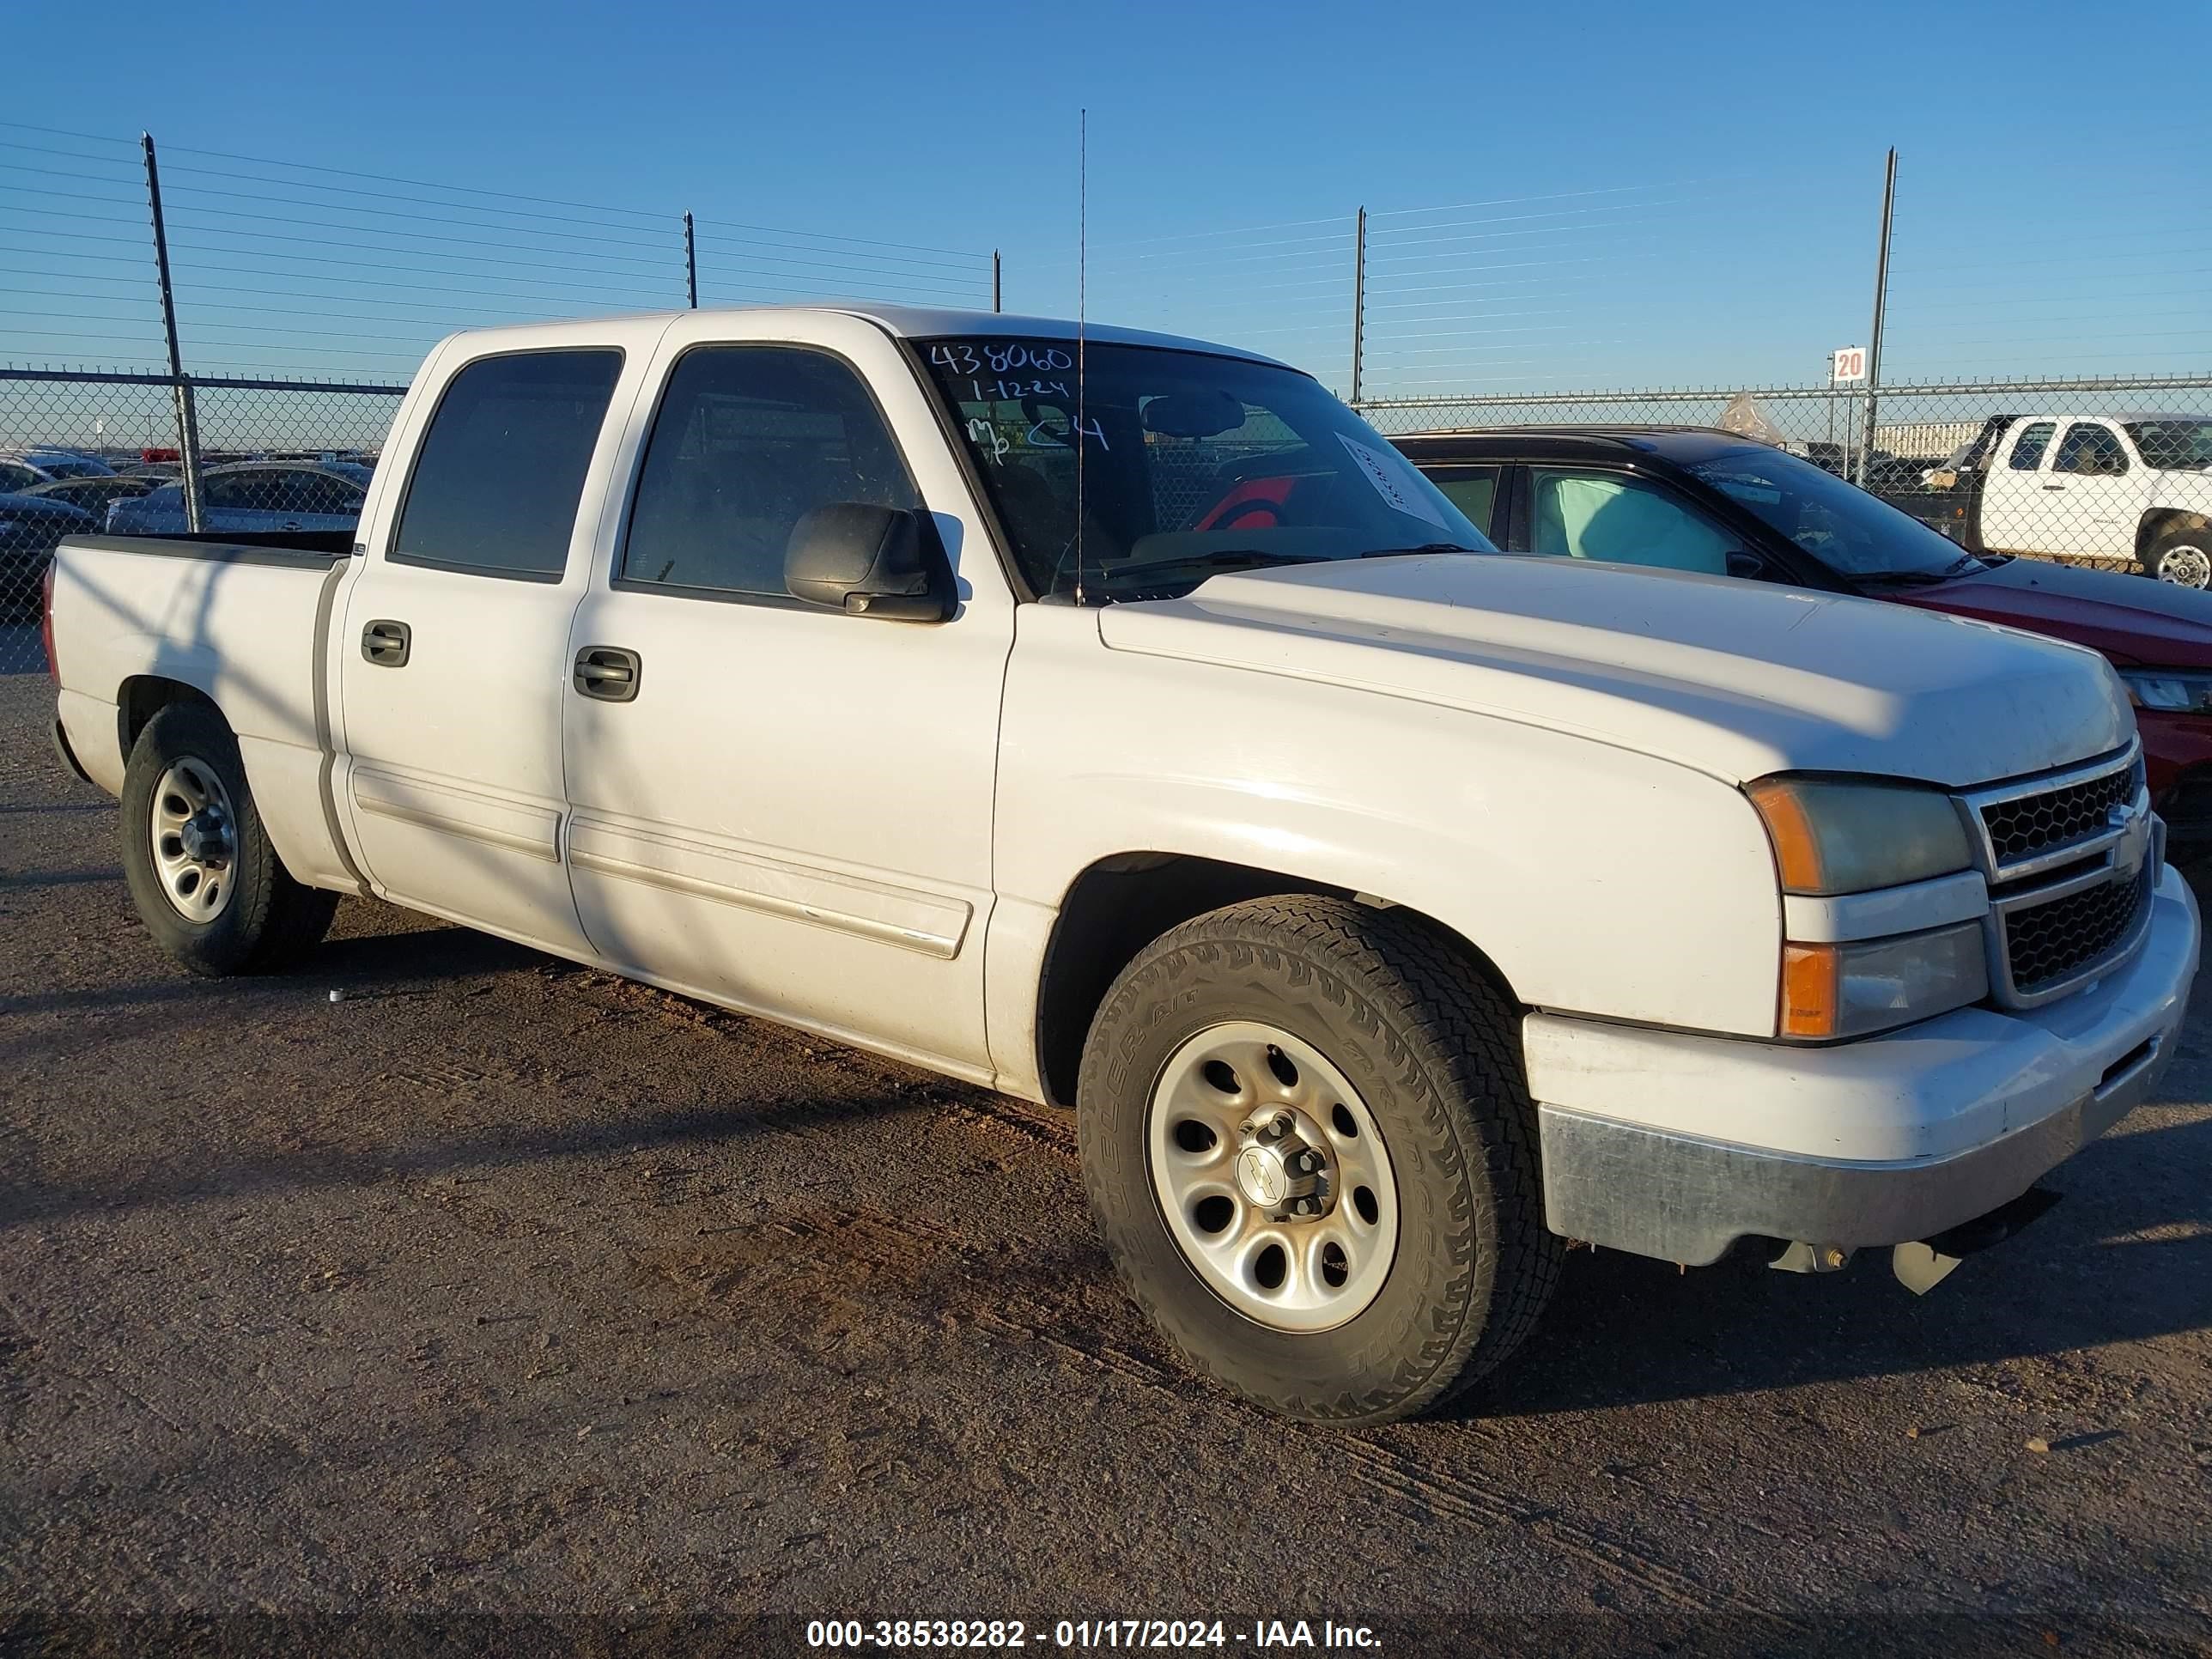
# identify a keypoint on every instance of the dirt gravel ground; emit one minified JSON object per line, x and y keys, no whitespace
{"x":502,"y":1306}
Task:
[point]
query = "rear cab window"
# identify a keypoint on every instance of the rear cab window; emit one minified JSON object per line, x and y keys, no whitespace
{"x":501,"y":467}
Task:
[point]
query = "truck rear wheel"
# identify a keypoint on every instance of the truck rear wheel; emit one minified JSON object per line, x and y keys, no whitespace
{"x":1307,"y":1136}
{"x":207,"y":882}
{"x":2181,"y":557}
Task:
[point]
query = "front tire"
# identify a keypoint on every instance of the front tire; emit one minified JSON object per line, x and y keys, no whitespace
{"x":2183,"y":557}
{"x":205,"y":879}
{"x":1307,"y":1136}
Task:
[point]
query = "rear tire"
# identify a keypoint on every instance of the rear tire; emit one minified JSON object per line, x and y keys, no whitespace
{"x":205,"y":879}
{"x":2183,"y":557}
{"x":1381,"y":1004}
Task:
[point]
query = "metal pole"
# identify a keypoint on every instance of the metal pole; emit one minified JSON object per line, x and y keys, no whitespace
{"x":1358,"y":301}
{"x":1880,"y":295}
{"x":1831,"y":401}
{"x":691,"y":264}
{"x":188,"y":426}
{"x":997,"y":293}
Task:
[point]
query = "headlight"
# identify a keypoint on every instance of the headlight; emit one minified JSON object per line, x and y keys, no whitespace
{"x":1843,"y":837}
{"x":1871,"y":985}
{"x":2175,"y":692}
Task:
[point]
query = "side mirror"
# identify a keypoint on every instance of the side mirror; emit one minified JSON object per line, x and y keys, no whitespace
{"x":868,"y":560}
{"x":1748,"y":566}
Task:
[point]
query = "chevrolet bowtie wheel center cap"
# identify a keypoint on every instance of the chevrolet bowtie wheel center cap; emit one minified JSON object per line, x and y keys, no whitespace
{"x":1280,"y":1171}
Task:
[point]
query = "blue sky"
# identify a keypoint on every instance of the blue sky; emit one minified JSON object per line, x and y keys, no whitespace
{"x":1590,"y":196}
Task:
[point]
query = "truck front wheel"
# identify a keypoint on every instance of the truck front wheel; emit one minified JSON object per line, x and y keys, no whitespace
{"x":2183,"y":556}
{"x":1308,"y":1139}
{"x":206,"y":881}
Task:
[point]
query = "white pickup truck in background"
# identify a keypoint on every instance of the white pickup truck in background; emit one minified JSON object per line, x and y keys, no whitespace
{"x":2134,"y":490}
{"x":1133,"y":736}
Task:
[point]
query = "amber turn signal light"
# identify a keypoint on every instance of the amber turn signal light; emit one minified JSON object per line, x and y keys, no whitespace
{"x":1812,"y":981}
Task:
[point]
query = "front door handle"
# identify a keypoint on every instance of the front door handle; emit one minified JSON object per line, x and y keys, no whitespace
{"x":608,"y":672}
{"x":2054,"y":486}
{"x":387,"y":643}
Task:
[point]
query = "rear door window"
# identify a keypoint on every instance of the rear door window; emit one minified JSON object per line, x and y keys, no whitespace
{"x":1473,"y":491}
{"x":2028,"y":448}
{"x":241,"y":492}
{"x":500,"y":470}
{"x":320,"y":493}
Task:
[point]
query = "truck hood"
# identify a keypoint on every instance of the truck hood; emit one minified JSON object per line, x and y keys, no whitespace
{"x":1737,"y":680}
{"x":2134,"y":622}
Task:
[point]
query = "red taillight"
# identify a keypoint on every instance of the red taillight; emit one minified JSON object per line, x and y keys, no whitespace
{"x":46,"y":626}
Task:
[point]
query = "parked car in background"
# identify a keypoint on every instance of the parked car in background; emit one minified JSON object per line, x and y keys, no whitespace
{"x":1387,"y":916}
{"x":2129,"y":490}
{"x":63,"y":463}
{"x":1695,"y":499}
{"x":248,"y":498}
{"x":30,"y":526}
{"x":94,"y":493}
{"x":21,"y":474}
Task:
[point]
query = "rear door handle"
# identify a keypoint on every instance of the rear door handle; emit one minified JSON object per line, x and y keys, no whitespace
{"x":2054,"y":486}
{"x":387,"y":643}
{"x":608,"y":672}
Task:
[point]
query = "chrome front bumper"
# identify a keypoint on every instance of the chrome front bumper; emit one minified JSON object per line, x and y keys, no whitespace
{"x":1971,"y":1108}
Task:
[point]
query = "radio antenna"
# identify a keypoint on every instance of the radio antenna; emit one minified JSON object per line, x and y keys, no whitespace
{"x":1082,"y":295}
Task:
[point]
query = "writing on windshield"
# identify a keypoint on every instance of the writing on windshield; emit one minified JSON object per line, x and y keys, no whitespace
{"x":1142,"y":470}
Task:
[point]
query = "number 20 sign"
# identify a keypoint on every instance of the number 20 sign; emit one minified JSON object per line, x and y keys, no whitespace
{"x":1850,"y":365}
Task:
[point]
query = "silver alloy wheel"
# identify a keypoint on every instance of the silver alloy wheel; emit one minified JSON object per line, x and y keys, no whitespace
{"x":1272,"y":1177}
{"x":2185,"y":566}
{"x":194,"y":837}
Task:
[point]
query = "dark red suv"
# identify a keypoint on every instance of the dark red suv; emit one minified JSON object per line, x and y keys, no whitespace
{"x":1690,"y":498}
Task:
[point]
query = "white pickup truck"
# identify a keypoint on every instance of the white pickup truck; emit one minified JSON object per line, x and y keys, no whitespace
{"x":2127,"y":489}
{"x":1114,"y":722}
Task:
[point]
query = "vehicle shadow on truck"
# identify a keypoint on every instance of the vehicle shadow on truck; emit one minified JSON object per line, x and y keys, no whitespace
{"x":2126,"y":1257}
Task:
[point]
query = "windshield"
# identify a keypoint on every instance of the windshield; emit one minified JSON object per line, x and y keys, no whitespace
{"x":1853,"y":533}
{"x":1191,"y":464}
{"x":2172,"y":445}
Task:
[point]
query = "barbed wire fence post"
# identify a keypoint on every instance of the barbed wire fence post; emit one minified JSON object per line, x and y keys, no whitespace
{"x":691,"y":264}
{"x":1359,"y":298}
{"x":1881,"y":299}
{"x":188,"y":433}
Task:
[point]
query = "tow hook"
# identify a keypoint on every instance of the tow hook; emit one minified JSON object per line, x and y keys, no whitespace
{"x":1924,"y":1264}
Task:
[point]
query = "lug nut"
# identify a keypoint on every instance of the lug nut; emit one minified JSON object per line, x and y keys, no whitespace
{"x":1307,"y":1206}
{"x":1281,"y":1127}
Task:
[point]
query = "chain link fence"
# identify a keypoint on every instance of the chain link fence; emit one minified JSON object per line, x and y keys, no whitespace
{"x":2114,"y":472}
{"x":83,"y":452}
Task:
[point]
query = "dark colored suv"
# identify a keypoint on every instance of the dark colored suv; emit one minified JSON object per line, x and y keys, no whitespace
{"x":1689,"y":498}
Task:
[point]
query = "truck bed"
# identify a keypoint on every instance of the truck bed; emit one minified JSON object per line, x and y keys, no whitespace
{"x":244,"y":620}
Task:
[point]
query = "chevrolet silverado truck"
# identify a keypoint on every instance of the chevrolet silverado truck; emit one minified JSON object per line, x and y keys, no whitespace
{"x":1116,"y":721}
{"x":2131,"y":491}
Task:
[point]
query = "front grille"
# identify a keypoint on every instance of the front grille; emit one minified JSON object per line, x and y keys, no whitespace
{"x":2028,"y":826}
{"x":2045,"y":943}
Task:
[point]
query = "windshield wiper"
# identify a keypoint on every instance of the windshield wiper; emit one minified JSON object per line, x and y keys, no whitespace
{"x":1426,"y":547}
{"x":1219,"y":559}
{"x":1964,"y":564}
